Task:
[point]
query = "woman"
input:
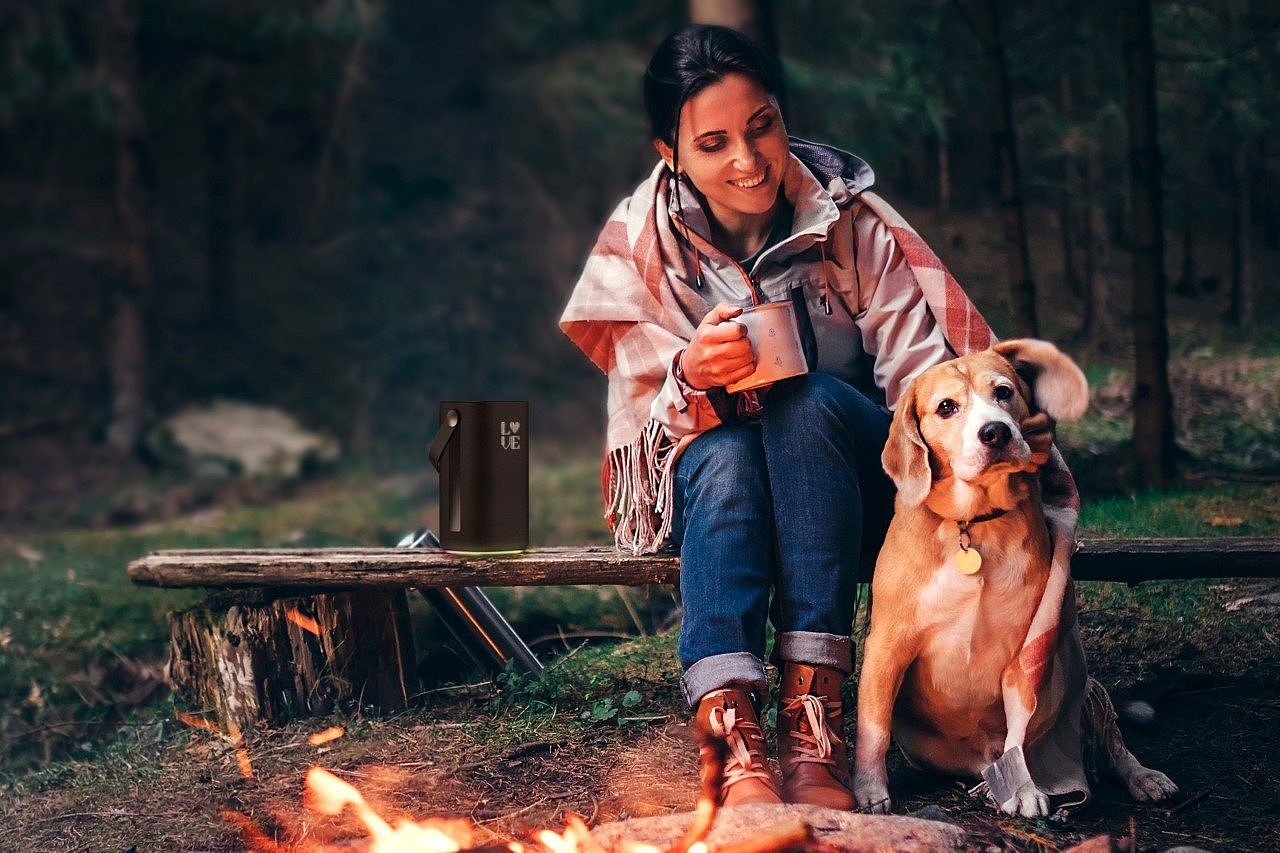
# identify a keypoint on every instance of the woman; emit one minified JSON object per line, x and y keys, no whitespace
{"x":778,"y":490}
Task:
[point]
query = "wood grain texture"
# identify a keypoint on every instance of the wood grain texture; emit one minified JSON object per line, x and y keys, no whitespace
{"x":255,"y":666}
{"x":1130,"y":560}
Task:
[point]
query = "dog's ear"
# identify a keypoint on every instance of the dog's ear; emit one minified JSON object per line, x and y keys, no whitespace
{"x":1057,"y":384}
{"x":905,"y":457}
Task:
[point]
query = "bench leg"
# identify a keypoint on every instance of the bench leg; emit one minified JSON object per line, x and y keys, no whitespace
{"x":263,"y":664}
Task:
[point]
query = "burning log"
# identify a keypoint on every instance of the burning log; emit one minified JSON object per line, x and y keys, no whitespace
{"x":261,"y":664}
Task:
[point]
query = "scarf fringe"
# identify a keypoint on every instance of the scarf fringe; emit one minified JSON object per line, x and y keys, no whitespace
{"x":1102,"y":741}
{"x":641,"y":490}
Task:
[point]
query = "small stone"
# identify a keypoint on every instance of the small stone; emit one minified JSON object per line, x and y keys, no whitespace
{"x":932,"y":812}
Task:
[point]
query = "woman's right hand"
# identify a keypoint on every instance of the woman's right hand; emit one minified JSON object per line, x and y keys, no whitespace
{"x":719,"y":353}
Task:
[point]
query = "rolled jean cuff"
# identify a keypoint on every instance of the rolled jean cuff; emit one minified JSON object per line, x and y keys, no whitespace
{"x":734,"y":669}
{"x":815,"y":649}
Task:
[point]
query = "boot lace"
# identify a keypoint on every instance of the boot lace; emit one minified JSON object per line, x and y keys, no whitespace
{"x":741,"y":763}
{"x":813,"y":736}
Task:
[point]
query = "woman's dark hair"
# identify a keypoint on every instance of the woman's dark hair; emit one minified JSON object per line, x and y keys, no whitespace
{"x":689,"y":60}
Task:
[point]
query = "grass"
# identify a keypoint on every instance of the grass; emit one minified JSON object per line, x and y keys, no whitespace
{"x":1232,"y":510}
{"x":79,"y":644}
{"x":81,"y":648}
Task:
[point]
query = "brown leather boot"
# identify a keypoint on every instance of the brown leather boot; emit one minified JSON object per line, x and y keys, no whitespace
{"x":811,"y":749}
{"x":728,"y":715}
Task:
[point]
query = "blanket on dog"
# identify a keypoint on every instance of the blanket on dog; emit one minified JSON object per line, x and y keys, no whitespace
{"x":627,"y":315}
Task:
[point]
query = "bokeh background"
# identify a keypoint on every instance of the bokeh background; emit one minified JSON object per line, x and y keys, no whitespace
{"x":322,"y":218}
{"x":353,"y":209}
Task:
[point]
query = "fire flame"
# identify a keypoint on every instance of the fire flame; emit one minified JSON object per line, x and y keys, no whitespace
{"x":232,"y":734}
{"x":302,"y":620}
{"x":326,"y":735}
{"x":328,"y":795}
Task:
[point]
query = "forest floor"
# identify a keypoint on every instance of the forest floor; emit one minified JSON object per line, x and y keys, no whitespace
{"x":603,"y":735}
{"x":93,"y":755}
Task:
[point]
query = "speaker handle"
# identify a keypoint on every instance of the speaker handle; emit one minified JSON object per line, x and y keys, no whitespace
{"x":441,"y":441}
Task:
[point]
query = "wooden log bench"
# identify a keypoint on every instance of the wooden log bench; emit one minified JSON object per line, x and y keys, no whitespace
{"x":297,"y":632}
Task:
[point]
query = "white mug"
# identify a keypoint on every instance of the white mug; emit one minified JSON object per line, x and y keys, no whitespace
{"x":775,"y":341}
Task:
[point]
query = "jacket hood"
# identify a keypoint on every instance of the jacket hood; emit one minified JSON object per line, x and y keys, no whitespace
{"x":844,"y":174}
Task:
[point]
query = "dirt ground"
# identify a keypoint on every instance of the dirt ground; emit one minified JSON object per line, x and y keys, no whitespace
{"x":167,"y":787}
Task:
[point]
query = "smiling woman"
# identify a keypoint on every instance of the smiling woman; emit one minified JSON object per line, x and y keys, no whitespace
{"x":733,"y":148}
{"x":777,"y":490}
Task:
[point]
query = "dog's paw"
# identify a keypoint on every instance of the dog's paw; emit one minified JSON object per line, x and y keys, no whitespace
{"x":1030,"y":801}
{"x":1146,"y":785}
{"x":871,"y":791}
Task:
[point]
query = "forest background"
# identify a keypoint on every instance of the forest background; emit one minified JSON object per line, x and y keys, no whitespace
{"x":352,"y":210}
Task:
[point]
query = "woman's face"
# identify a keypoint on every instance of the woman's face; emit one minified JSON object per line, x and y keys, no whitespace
{"x":733,"y":147}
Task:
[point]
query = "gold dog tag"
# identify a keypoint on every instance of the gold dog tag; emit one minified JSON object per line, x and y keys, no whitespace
{"x":968,"y":561}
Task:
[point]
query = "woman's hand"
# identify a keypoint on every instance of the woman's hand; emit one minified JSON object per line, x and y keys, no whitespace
{"x":1037,"y":431}
{"x":719,"y":353}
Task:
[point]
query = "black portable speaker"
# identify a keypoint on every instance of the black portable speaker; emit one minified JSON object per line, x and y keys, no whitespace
{"x":482,"y":453}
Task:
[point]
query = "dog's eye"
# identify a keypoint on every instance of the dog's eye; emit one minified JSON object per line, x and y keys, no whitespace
{"x":1003,"y":393}
{"x":947,"y":408}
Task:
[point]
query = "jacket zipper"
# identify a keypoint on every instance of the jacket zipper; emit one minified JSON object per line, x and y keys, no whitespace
{"x":753,"y":286}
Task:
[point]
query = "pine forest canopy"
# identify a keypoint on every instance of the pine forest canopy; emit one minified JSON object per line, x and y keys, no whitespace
{"x":356,"y":208}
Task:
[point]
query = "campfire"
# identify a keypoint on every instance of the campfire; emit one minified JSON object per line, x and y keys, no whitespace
{"x":769,"y":829}
{"x":325,"y":794}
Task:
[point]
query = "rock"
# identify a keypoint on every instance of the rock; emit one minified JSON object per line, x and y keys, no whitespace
{"x":835,"y":830}
{"x":225,"y":438}
{"x":934,"y":813}
{"x":1138,"y":712}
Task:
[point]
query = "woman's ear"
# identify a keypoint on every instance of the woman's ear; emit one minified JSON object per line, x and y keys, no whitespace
{"x":905,"y":457}
{"x":1057,"y":384}
{"x":665,"y":152}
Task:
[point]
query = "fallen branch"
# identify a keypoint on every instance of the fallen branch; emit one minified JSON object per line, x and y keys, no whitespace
{"x":798,"y":834}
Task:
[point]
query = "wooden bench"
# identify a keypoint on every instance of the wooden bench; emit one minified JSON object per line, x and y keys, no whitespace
{"x":296,"y":632}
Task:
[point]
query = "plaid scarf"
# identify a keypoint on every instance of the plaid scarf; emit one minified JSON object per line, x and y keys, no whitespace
{"x":631,"y":313}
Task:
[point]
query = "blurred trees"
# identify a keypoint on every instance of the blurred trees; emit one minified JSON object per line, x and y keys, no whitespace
{"x":356,"y":208}
{"x":1152,"y":399}
{"x":1004,"y":138}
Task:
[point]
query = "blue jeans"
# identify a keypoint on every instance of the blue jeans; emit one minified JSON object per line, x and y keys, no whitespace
{"x":778,"y":506}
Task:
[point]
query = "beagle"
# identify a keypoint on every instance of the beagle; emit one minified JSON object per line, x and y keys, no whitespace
{"x":971,"y":585}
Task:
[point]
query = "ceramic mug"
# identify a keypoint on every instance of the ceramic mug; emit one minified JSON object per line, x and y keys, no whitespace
{"x":775,"y":340}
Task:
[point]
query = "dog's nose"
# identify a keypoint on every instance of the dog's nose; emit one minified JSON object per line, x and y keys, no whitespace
{"x":994,"y":434}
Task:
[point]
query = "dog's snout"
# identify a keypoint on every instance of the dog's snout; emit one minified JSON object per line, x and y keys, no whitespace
{"x":994,"y":434}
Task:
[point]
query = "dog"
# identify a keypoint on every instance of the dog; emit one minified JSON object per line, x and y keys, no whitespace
{"x":969,"y":577}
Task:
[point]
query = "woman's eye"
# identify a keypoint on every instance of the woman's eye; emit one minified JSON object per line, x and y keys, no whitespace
{"x":762,"y":125}
{"x":1004,"y":393}
{"x":947,"y":408}
{"x":710,"y":147}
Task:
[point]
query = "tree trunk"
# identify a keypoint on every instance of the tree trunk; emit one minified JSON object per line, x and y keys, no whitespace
{"x":1243,"y":288}
{"x":1100,"y":306}
{"x":752,"y":18}
{"x":1022,"y":290}
{"x":127,"y":361}
{"x":263,"y":664}
{"x":219,"y":202}
{"x":1067,"y":204}
{"x":1152,"y":402}
{"x":1270,"y":212}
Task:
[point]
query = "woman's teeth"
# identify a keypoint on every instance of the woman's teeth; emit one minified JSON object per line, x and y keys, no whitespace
{"x":748,"y":183}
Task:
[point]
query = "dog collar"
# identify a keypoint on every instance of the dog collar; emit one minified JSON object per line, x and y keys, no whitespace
{"x":967,"y":559}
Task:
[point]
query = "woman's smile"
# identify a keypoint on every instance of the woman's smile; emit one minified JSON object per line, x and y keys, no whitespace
{"x":753,"y":181}
{"x":733,"y":148}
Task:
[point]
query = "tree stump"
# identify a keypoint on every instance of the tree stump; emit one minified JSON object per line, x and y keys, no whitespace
{"x":261,"y":664}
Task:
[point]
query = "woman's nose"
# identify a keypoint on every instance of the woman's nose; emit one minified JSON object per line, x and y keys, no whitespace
{"x":746,"y":156}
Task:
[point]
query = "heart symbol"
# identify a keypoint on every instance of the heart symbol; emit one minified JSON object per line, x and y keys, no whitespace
{"x":968,"y":561}
{"x":514,"y":426}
